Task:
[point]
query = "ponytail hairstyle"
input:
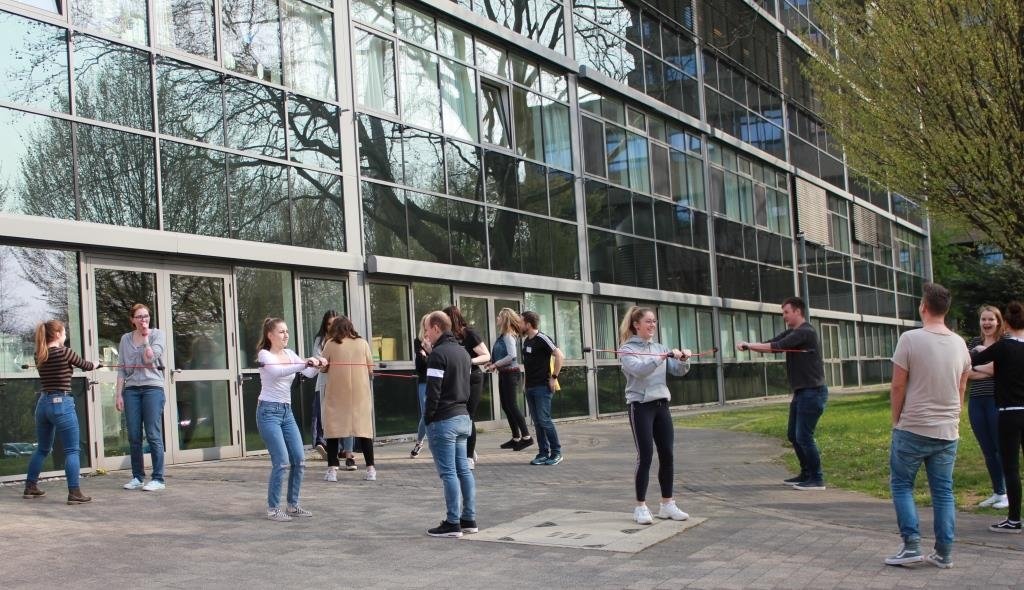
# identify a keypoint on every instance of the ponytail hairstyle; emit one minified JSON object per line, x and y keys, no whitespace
{"x":458,"y":322}
{"x":1015,"y":315}
{"x":626,"y":329}
{"x":45,"y":332}
{"x":268,"y":326}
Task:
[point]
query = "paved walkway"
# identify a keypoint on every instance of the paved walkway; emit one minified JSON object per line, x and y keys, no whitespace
{"x":206,"y":530}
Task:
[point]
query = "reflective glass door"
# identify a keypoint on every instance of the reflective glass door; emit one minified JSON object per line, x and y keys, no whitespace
{"x":480,"y":311}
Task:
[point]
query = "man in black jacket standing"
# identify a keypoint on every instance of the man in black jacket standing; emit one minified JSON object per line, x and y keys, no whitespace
{"x":449,"y":425}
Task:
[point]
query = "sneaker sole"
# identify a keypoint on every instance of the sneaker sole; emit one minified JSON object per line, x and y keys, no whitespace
{"x":904,"y":560}
{"x":446,"y":535}
{"x":642,"y":523}
{"x":1005,"y":531}
{"x":77,"y":502}
{"x":939,"y":564}
{"x":32,"y":496}
{"x":670,"y":518}
{"x":809,"y":488}
{"x":470,"y":531}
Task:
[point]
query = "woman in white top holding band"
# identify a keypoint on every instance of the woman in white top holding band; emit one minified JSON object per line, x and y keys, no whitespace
{"x":274,"y":418}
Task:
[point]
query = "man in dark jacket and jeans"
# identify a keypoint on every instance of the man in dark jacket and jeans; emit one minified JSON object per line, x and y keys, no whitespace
{"x":449,"y":425}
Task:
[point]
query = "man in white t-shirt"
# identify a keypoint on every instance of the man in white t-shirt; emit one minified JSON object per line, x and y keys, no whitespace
{"x":929,"y":376}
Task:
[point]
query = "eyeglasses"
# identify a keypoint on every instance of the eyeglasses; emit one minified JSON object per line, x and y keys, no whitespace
{"x":141,"y":317}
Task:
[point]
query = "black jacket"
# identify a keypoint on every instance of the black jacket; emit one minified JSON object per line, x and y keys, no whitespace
{"x":448,"y":368}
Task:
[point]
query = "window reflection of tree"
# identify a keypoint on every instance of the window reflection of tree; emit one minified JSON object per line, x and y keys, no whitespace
{"x":541,"y":20}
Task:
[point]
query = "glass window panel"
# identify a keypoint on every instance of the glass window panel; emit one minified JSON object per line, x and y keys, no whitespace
{"x":252,"y":38}
{"x":428,"y":297}
{"x":593,"y":146}
{"x":660,"y":170}
{"x":492,"y":60}
{"x":561,"y":195}
{"x":377,"y":13}
{"x":557,"y":137}
{"x":495,"y":118}
{"x":51,"y":5}
{"x":668,"y":325}
{"x":533,"y":189}
{"x":524,"y":72}
{"x":569,"y":328}
{"x":468,"y":234}
{"x":116,"y":177}
{"x":308,"y":48}
{"x":35,"y":285}
{"x":602,"y":256}
{"x":125,"y":19}
{"x":313,"y":133}
{"x":688,"y":328}
{"x":380,"y":149}
{"x":605,"y":330}
{"x":187,"y":25}
{"x":533,"y":243}
{"x":375,"y":72}
{"x":542,"y":304}
{"x":618,"y":163}
{"x":455,"y":43}
{"x":566,"y":250}
{"x":197,"y":314}
{"x":620,"y":212}
{"x":423,"y":159}
{"x":589,"y":101}
{"x":258,"y":193}
{"x":526,"y":112}
{"x":458,"y":100}
{"x":33,"y":63}
{"x":554,"y":85}
{"x":463,"y":165}
{"x":428,"y":227}
{"x":35,"y":165}
{"x":189,"y":102}
{"x":389,"y":316}
{"x":501,"y":173}
{"x":597,"y":203}
{"x":112,"y":83}
{"x":415,"y":26}
{"x":421,"y":95}
{"x":639,"y":167}
{"x":503,"y":228}
{"x":254,"y":117}
{"x":643,"y":216}
{"x":317,"y":210}
{"x":384,"y":220}
{"x":194,"y":184}
{"x":704,"y":330}
{"x":262,"y":293}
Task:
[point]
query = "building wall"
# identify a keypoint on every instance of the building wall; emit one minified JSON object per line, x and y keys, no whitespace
{"x":228,"y":161}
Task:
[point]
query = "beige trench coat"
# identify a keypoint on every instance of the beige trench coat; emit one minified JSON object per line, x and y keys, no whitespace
{"x":346,"y":403}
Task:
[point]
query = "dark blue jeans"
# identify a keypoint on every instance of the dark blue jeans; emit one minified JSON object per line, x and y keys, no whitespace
{"x":538,"y":399}
{"x":984,"y":415}
{"x":804,"y":411}
{"x":144,"y":408}
{"x":55,"y":413}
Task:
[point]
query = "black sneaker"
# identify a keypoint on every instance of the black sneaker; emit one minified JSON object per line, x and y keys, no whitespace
{"x":795,"y":480}
{"x":468,"y":526}
{"x":509,"y":444}
{"x":446,"y":529}
{"x":1006,"y":526}
{"x":524,"y":442}
{"x":350,"y":464}
{"x":809,"y":484}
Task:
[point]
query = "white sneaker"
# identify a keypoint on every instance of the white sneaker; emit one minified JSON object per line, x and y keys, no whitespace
{"x":992,"y":500}
{"x":670,"y":510}
{"x":371,"y":474}
{"x":153,"y":486}
{"x":134,"y":484}
{"x":1002,"y":504}
{"x":331,"y":475}
{"x":278,"y":515}
{"x":472,"y":463}
{"x":642,"y":515}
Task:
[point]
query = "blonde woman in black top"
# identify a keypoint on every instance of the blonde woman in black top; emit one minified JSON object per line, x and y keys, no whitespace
{"x":55,"y":410}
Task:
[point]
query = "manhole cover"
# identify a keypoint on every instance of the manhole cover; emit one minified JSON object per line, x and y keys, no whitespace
{"x":582,"y":529}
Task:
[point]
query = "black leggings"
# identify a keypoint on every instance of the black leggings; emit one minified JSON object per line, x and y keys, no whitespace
{"x":508,"y":389}
{"x":334,"y":444}
{"x":476,"y":389}
{"x":651,"y":423}
{"x":1011,"y":428}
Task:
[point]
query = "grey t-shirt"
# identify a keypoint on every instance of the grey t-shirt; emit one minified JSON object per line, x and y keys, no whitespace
{"x":934,"y":363}
{"x":132,"y":356}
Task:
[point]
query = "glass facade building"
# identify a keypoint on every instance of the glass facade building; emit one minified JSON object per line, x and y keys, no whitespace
{"x":225,"y":161}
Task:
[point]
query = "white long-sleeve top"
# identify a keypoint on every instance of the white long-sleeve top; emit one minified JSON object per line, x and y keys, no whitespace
{"x":645,"y":374}
{"x":276,"y":376}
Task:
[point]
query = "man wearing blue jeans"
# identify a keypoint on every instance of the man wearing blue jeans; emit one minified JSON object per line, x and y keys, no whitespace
{"x":541,"y":380}
{"x":929,"y":376}
{"x":806,"y":374}
{"x":449,"y":425}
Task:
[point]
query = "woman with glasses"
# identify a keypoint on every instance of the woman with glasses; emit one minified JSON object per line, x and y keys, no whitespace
{"x":140,"y":395}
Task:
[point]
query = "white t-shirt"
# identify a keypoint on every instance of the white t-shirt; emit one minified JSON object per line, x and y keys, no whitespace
{"x":276,"y":375}
{"x":934,"y":364}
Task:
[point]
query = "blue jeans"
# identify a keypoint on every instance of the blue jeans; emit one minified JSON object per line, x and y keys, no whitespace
{"x":538,"y":399}
{"x":144,"y":407}
{"x":284,"y":442}
{"x":804,"y":411}
{"x":906,"y":454}
{"x":448,"y":447}
{"x":984,"y":415}
{"x":421,"y":395}
{"x":56,"y":414}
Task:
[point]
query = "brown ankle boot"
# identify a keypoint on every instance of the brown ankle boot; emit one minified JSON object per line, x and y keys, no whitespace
{"x":32,"y":491}
{"x":75,"y":496}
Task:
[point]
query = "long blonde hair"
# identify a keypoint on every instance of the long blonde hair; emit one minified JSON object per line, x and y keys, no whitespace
{"x":635,"y":314}
{"x":423,"y":327}
{"x":509,"y":321}
{"x":45,"y":332}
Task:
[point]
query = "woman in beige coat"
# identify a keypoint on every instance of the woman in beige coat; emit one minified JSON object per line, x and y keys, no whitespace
{"x":347,"y":407}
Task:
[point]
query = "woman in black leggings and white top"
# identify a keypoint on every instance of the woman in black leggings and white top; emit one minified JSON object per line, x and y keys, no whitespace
{"x":1007,"y":357}
{"x":645,"y":364}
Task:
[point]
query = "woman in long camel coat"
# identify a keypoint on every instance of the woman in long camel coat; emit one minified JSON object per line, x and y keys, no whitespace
{"x":347,"y":408}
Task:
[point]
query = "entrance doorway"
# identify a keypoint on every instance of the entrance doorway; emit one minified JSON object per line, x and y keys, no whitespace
{"x":194,"y":308}
{"x":831,"y":356}
{"x":480,"y":310}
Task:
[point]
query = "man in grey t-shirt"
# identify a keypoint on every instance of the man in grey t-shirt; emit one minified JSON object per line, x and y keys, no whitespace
{"x":929,"y":376}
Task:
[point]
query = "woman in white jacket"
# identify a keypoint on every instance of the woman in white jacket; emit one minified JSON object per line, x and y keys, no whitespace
{"x":645,"y":363}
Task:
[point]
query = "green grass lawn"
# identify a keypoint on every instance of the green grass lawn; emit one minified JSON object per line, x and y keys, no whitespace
{"x":854,"y":435}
